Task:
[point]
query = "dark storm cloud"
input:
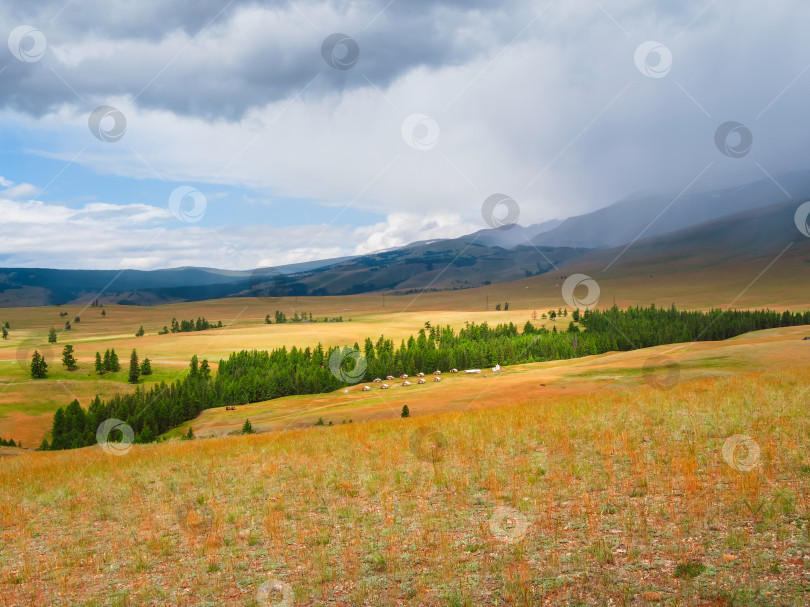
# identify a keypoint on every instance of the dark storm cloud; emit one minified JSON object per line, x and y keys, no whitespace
{"x":213,"y":59}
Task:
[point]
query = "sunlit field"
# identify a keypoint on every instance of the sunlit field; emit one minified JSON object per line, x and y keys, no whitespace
{"x":622,"y":497}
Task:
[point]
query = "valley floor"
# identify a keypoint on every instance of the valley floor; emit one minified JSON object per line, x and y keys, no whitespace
{"x":636,"y":495}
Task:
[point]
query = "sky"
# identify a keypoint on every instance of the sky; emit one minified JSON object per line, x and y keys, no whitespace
{"x":237,"y":134}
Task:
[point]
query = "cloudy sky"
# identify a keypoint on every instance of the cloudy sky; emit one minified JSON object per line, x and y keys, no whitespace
{"x":238,"y":134}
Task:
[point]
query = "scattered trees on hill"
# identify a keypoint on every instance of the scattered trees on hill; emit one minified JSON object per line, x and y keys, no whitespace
{"x":187,"y":326}
{"x":68,"y":359}
{"x":254,"y":376}
{"x":9,"y":443}
{"x":39,"y":368}
{"x":110,"y":362}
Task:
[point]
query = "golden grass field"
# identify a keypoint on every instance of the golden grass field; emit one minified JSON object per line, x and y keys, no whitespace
{"x":577,"y":482}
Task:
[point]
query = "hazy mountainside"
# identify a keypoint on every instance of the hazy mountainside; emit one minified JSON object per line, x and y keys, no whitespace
{"x":513,"y":237}
{"x":629,"y":219}
{"x":757,"y":236}
{"x":700,"y":230}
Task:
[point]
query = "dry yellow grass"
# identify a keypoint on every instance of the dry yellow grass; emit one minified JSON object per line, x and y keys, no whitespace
{"x":584,"y":499}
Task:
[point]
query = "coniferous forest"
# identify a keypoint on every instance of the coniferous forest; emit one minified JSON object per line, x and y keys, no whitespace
{"x":247,"y":377}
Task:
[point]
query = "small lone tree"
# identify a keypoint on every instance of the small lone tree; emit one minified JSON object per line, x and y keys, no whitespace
{"x":247,"y":427}
{"x":104,"y":312}
{"x":99,"y":364}
{"x":134,"y":368}
{"x":146,"y":367}
{"x":405,"y":411}
{"x":5,"y":333}
{"x":76,"y":319}
{"x":140,"y":332}
{"x":506,"y":306}
{"x":39,"y":368}
{"x":67,"y":326}
{"x":52,"y":336}
{"x":68,"y":359}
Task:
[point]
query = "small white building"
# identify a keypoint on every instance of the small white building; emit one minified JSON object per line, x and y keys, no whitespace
{"x":496,"y":368}
{"x":470,"y":371}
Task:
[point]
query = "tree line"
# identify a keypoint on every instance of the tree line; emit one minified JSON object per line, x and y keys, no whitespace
{"x":252,"y":376}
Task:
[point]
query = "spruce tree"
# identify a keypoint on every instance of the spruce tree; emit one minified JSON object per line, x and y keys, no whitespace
{"x":247,"y":427}
{"x":39,"y":368}
{"x":114,"y":364}
{"x":68,"y":359}
{"x":5,"y":333}
{"x":107,"y":362}
{"x":139,"y":332}
{"x":134,"y":368}
{"x":99,"y":364}
{"x":405,"y":411}
{"x":67,"y":326}
{"x":146,"y":367}
{"x":52,"y":336}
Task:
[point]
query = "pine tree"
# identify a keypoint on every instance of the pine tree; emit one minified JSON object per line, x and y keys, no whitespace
{"x":67,"y":326}
{"x":68,"y":359}
{"x":247,"y":427}
{"x":99,"y":365}
{"x":139,"y":332}
{"x":39,"y":368}
{"x":114,"y":364}
{"x":405,"y":411}
{"x":52,"y":336}
{"x":267,"y":320}
{"x":107,"y":361}
{"x":5,"y":333}
{"x":134,"y":368}
{"x":189,"y":435}
{"x":146,"y":367}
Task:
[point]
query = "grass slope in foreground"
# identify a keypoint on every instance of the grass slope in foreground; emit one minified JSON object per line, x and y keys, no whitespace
{"x":623,"y":497}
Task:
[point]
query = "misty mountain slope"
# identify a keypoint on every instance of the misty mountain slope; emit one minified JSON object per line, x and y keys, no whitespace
{"x":624,"y":221}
